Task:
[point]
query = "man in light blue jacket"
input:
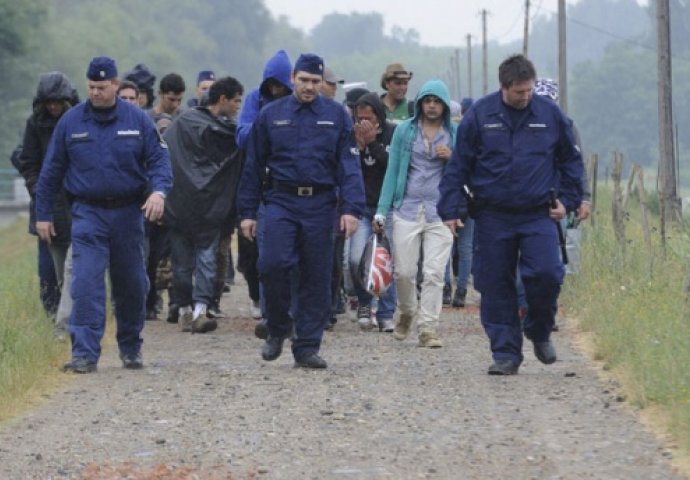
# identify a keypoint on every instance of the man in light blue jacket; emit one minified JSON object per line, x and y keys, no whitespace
{"x":419,"y":151}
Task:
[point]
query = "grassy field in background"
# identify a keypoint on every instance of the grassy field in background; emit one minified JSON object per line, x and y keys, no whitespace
{"x":29,"y":358}
{"x":633,"y":301}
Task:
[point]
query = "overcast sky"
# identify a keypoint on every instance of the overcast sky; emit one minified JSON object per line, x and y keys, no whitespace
{"x":439,"y":22}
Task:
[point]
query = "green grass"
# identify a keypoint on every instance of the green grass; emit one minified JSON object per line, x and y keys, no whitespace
{"x":634,"y":302}
{"x":28,"y":355}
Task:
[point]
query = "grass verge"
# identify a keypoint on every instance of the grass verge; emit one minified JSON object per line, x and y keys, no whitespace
{"x":631,"y":297}
{"x":29,"y":358}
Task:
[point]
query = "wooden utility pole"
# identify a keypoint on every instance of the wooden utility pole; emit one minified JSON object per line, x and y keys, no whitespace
{"x":562,"y":60}
{"x":668,"y":195}
{"x":469,"y":65}
{"x":525,"y":36}
{"x":485,"y":47}
{"x":457,"y":71}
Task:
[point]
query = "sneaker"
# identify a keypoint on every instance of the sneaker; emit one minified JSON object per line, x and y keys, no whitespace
{"x":459,"y":297}
{"x":60,"y":333}
{"x":503,"y":367}
{"x":79,"y":365}
{"x":364,"y":317}
{"x":186,"y":319}
{"x":132,"y":361}
{"x":255,"y":310}
{"x":352,"y":310}
{"x":386,"y":325}
{"x":402,"y":328}
{"x":203,"y":324}
{"x":429,"y":339}
{"x":173,"y":314}
{"x":447,"y":294}
{"x":214,"y":311}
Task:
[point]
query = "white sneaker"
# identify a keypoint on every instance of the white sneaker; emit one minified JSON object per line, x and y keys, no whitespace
{"x":255,"y":310}
{"x":386,"y":325}
{"x":199,"y":310}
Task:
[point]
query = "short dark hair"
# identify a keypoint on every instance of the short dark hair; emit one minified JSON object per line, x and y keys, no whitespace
{"x":172,"y":82}
{"x":516,"y":68}
{"x":125,"y":84}
{"x":227,"y":86}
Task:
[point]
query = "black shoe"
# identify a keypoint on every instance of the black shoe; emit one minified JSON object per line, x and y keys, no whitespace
{"x":173,"y":314}
{"x":151,"y":314}
{"x":214,"y":311}
{"x":331,"y":324}
{"x":310,"y":360}
{"x":132,"y":361}
{"x":503,"y":367}
{"x":447,"y":294}
{"x":261,"y":329}
{"x":80,"y":365}
{"x":545,"y":352}
{"x":459,"y":297}
{"x":226,"y":287}
{"x":272,"y":348}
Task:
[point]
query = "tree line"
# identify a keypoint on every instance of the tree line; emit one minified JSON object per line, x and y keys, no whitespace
{"x":611,"y":57}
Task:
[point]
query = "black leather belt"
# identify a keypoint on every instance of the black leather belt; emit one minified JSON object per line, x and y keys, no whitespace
{"x":501,"y":209}
{"x":302,"y":190}
{"x":110,"y":202}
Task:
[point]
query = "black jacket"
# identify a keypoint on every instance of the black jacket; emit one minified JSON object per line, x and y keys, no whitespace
{"x":206,"y":165}
{"x":374,"y":158}
{"x":39,"y":129}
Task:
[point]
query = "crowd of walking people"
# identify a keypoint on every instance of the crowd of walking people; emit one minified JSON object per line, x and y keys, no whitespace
{"x":133,"y":186}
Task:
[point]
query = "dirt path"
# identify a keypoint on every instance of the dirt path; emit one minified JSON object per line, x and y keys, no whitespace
{"x":206,"y":406}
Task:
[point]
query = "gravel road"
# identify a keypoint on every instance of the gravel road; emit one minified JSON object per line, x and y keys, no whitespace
{"x":207,"y":407}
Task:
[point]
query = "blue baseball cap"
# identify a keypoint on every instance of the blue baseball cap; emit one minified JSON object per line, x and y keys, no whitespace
{"x":101,"y":68}
{"x":205,"y":75}
{"x":310,"y":63}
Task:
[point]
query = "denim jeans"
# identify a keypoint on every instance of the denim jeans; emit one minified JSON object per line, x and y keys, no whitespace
{"x":191,"y":260}
{"x":386,"y":304}
{"x":463,"y":245}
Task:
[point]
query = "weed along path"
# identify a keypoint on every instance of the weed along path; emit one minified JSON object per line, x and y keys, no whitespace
{"x":206,"y":407}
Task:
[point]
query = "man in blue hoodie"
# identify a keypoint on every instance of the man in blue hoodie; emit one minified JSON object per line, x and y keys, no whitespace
{"x":419,"y":151}
{"x":513,"y":152}
{"x":276,"y":83}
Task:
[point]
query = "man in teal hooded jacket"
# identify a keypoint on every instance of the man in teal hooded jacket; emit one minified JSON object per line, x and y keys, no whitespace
{"x":419,"y":151}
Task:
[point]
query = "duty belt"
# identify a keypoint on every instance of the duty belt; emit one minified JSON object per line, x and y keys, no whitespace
{"x":302,"y":190}
{"x":109,"y":202}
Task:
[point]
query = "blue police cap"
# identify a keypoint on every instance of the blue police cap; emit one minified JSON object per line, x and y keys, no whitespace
{"x":310,"y":63}
{"x":205,"y":75}
{"x":101,"y":68}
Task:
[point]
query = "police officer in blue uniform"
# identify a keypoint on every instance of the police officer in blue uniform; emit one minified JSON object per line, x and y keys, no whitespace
{"x":512,"y":150}
{"x":300,"y":156}
{"x":116,"y":171}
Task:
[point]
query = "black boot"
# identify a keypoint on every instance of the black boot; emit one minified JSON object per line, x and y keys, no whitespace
{"x":447,"y":294}
{"x":459,"y":297}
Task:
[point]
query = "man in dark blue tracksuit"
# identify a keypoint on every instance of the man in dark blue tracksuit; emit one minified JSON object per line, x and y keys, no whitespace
{"x":109,"y":158}
{"x":512,"y":149}
{"x":305,"y":143}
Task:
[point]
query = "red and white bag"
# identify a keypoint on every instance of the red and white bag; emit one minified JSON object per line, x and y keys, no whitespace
{"x":375,"y":271}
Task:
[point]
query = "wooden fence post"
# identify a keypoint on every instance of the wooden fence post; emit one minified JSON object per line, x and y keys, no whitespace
{"x":617,"y":212}
{"x":645,"y":220}
{"x":592,"y":172}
